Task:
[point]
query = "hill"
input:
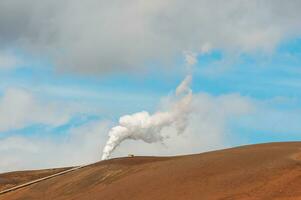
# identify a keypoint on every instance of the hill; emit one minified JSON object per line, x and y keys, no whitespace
{"x":264,"y":171}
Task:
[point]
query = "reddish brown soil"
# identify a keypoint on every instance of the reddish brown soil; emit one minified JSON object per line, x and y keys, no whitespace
{"x":266,"y":171}
{"x":11,"y":179}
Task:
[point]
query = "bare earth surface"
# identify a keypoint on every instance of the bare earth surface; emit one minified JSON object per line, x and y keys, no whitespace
{"x":11,"y":179}
{"x":265,"y":171}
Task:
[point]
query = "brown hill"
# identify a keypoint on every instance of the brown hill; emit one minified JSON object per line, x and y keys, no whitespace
{"x":265,"y":171}
{"x":11,"y":179}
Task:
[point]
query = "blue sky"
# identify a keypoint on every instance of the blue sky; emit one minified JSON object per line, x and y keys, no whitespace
{"x":272,"y":80}
{"x":66,"y":79}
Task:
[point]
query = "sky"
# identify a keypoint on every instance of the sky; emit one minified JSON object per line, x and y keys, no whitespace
{"x":70,"y":69}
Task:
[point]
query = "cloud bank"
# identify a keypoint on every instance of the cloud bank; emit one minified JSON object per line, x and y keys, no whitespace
{"x":79,"y":146}
{"x":98,"y":36}
{"x":20,"y":108}
{"x":8,"y":60}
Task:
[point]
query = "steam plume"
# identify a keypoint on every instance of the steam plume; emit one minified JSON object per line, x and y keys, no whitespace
{"x":146,"y":127}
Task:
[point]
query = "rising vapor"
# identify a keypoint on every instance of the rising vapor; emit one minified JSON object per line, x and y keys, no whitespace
{"x":148,"y":128}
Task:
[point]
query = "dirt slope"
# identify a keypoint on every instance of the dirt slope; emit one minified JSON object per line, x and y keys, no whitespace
{"x":11,"y":179}
{"x":266,"y":171}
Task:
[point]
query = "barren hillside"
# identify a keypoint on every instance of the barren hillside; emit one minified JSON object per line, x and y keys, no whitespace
{"x":265,"y":171}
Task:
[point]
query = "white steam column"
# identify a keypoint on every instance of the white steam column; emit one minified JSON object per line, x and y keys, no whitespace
{"x":146,"y":127}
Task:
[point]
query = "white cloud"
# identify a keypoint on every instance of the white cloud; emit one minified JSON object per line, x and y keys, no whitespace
{"x":20,"y":108}
{"x":98,"y":36}
{"x":81,"y":146}
{"x":8,"y":61}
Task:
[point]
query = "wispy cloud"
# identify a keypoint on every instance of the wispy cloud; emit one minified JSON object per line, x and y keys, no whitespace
{"x":80,"y":146}
{"x":20,"y":108}
{"x":8,"y":60}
